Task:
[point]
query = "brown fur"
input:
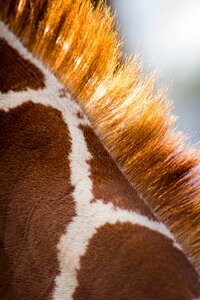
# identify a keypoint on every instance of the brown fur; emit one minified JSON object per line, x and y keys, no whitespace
{"x":79,"y":45}
{"x":109,"y":184}
{"x":13,"y":66}
{"x":36,"y":192}
{"x":126,"y":261}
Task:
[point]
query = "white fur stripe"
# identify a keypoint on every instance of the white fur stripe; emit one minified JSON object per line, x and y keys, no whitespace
{"x":90,"y":216}
{"x":74,"y":243}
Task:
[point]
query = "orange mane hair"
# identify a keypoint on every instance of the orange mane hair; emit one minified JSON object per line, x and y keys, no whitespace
{"x":78,"y":43}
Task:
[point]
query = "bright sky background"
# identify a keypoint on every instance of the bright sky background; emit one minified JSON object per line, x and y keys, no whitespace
{"x":167,"y":35}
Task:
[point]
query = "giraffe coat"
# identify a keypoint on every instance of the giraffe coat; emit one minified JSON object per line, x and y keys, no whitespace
{"x":72,"y":226}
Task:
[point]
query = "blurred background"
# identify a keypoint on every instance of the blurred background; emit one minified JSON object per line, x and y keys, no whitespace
{"x":166,"y":33}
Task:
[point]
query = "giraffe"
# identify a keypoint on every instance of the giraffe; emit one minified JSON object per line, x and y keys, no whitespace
{"x":72,"y":225}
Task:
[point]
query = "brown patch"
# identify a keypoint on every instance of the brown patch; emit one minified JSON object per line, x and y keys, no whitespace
{"x":35,"y":197}
{"x":17,"y":74}
{"x":109,"y":184}
{"x":80,"y":115}
{"x":125,"y":261}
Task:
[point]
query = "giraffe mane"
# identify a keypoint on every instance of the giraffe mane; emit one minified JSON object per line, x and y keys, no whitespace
{"x":80,"y":46}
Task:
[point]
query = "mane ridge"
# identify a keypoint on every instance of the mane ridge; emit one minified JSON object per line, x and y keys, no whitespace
{"x":80,"y":46}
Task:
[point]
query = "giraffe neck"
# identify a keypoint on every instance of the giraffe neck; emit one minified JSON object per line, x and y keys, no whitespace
{"x":79,"y":45}
{"x":72,"y":226}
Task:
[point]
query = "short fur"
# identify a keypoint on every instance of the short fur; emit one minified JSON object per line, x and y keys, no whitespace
{"x":78,"y":43}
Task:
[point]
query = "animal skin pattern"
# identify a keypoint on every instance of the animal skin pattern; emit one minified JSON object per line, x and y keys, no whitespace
{"x":72,"y":227}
